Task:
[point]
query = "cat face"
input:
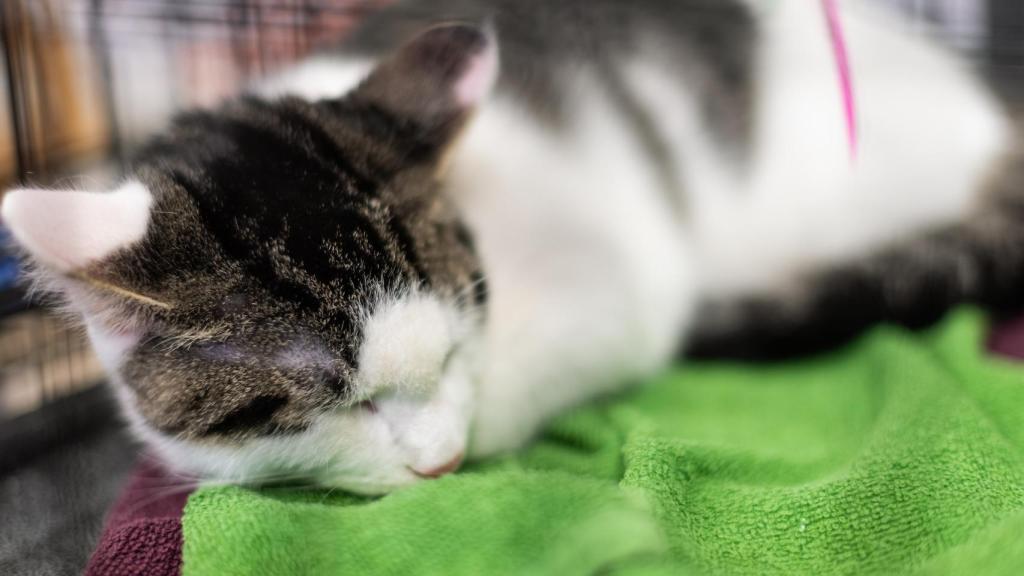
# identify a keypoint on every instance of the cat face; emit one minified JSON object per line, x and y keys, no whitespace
{"x":282,"y":289}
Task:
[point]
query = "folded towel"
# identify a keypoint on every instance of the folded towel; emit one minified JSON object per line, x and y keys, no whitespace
{"x":901,"y":453}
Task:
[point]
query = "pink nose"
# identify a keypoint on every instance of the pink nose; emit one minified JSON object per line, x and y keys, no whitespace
{"x":450,"y":466}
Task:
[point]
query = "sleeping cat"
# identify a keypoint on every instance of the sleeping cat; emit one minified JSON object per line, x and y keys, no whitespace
{"x":444,"y":235}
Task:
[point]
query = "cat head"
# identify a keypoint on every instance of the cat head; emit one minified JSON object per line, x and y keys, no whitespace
{"x":282,"y":288}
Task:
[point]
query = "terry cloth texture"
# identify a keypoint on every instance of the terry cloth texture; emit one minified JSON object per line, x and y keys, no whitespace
{"x":902,"y":453}
{"x":143,"y":531}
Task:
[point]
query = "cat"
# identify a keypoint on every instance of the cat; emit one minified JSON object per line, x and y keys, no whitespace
{"x":478,"y":215}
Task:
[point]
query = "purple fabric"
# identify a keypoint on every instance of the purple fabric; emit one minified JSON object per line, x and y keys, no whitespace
{"x":143,"y":530}
{"x":1007,"y":339}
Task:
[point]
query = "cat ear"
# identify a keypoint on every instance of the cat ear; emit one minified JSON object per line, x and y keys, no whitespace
{"x":68,"y":230}
{"x":436,"y":78}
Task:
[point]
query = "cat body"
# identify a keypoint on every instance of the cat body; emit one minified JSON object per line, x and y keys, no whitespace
{"x":492,"y":225}
{"x":596,"y":258}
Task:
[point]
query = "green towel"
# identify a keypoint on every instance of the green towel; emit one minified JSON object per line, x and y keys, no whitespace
{"x":900,"y":454}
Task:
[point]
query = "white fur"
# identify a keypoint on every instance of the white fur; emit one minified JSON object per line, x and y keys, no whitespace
{"x":592,"y":270}
{"x":929,"y":135}
{"x":60,"y":227}
{"x":405,"y":343}
{"x":316,"y":78}
{"x":405,"y":365}
{"x":364,"y":452}
{"x":592,"y":277}
{"x":110,"y":347}
{"x":354,"y":449}
{"x":430,"y":429}
{"x":587,"y":267}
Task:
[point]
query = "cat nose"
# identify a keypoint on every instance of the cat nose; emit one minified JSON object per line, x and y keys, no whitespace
{"x":446,"y":468}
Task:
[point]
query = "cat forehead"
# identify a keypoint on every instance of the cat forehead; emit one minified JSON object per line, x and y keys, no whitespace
{"x":268,"y":188}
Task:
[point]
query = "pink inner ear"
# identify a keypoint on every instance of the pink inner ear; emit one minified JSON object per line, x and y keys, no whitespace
{"x":479,"y":77}
{"x":70,"y":229}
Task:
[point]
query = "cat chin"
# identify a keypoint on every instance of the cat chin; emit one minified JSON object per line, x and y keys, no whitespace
{"x":364,"y":466}
{"x":376,"y":485}
{"x":354,"y":451}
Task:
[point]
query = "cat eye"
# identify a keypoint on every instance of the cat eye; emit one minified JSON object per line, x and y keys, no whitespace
{"x":337,"y":383}
{"x":366,"y":405}
{"x":233,"y":304}
{"x":448,"y":358}
{"x":218,"y":351}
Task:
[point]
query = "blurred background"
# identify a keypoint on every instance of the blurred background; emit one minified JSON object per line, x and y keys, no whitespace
{"x":82,"y":82}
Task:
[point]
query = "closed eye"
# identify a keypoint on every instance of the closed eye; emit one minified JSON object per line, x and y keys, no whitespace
{"x":367,"y":405}
{"x":337,"y":383}
{"x":448,"y":358}
{"x":218,"y":352}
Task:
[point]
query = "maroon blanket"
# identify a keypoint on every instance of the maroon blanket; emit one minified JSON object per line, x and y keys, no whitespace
{"x":143,"y":532}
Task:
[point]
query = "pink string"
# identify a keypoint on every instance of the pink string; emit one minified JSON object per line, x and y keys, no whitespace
{"x":835,"y":30}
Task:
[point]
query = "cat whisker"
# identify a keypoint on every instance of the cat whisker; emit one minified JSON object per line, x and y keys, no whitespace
{"x":121,"y":291}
